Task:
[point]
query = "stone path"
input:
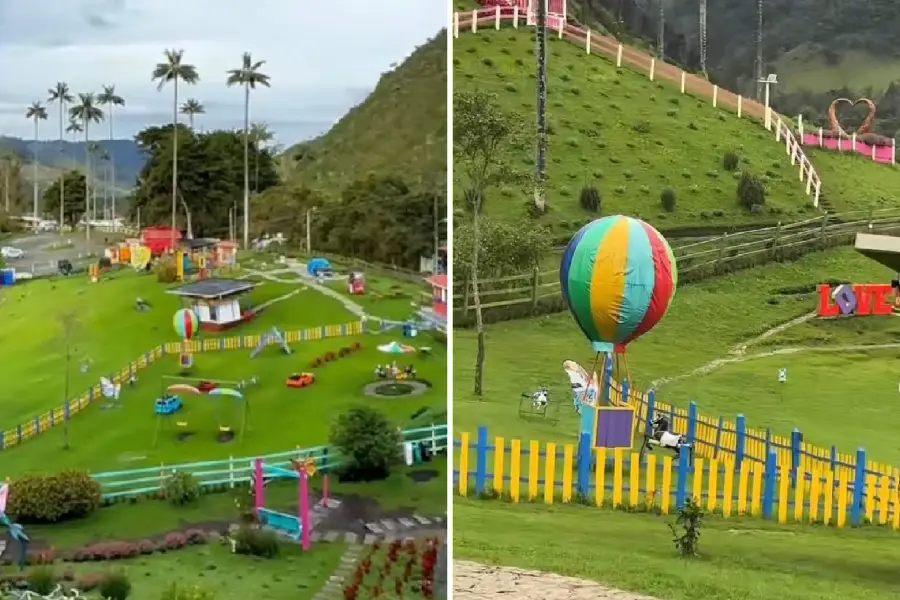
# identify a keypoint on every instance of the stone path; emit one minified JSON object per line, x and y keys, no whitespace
{"x":296,"y":268}
{"x":334,"y":587}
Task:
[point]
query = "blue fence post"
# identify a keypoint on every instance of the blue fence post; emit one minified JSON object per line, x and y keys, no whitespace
{"x":684,"y":468}
{"x":834,"y":460}
{"x":37,"y":426}
{"x":770,"y":484}
{"x":481,"y":459}
{"x":719,"y":429}
{"x":796,"y":454}
{"x":52,"y":420}
{"x":626,"y":391}
{"x":584,"y":465}
{"x":607,"y":379}
{"x":18,"y":434}
{"x":651,"y":408}
{"x":740,"y":446}
{"x":859,"y":489}
{"x":692,"y":424}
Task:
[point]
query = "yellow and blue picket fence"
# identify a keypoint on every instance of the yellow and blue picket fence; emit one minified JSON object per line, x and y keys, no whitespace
{"x":773,"y":489}
{"x":718,"y":438}
{"x":34,"y":427}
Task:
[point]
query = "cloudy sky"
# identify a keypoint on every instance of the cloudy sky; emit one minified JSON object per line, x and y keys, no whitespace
{"x":321,"y":63}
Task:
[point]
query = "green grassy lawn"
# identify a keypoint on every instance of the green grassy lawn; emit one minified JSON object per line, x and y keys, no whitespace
{"x":626,"y":135}
{"x":704,"y":323}
{"x":852,"y":181}
{"x":751,"y":560}
{"x":109,"y":333}
{"x":279,"y":418}
{"x":386,"y":298}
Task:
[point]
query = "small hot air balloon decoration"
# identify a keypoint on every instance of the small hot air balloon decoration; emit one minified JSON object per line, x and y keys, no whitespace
{"x":618,"y":276}
{"x":186,"y":326}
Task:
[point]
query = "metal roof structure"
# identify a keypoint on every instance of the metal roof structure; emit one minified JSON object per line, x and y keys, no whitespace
{"x":209,"y":289}
{"x":883,"y":249}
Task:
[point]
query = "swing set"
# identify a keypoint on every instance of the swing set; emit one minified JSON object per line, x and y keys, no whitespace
{"x":219,"y":391}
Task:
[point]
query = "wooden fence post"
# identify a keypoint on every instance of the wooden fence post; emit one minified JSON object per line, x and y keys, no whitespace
{"x":823,"y":230}
{"x":465,"y":297}
{"x":775,"y":237}
{"x":535,"y":280}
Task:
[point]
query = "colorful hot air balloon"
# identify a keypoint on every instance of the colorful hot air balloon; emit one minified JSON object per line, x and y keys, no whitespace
{"x":618,"y":277}
{"x":186,"y":323}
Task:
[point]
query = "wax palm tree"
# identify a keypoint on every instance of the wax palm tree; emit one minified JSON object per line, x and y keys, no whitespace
{"x":110,"y":99}
{"x":192,"y":107}
{"x":174,"y":69}
{"x":260,"y":136}
{"x":61,"y":95}
{"x":86,"y":111}
{"x":36,"y":113}
{"x":248,"y":76}
{"x":74,"y":128}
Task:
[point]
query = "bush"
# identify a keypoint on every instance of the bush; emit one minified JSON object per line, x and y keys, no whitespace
{"x":668,"y":198}
{"x":329,"y":357}
{"x":730,"y":160}
{"x":166,"y":271}
{"x":181,"y":488}
{"x":53,"y":498}
{"x":686,"y":529}
{"x":368,"y":441}
{"x":115,"y":586}
{"x":590,"y":199}
{"x":41,"y":581}
{"x":356,"y":346}
{"x":89,"y":582}
{"x":181,"y":591}
{"x":256,"y":542}
{"x":751,"y":191}
{"x":175,"y":541}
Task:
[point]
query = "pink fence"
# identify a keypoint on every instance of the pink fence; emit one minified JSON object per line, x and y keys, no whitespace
{"x":880,"y":154}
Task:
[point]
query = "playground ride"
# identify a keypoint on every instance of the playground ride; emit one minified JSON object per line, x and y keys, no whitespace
{"x":618,"y":277}
{"x":661,"y":436}
{"x":320,"y":268}
{"x":219,"y":391}
{"x":393,"y":372}
{"x":216,"y":302}
{"x":186,"y":324}
{"x":111,"y":391}
{"x":396,"y":389}
{"x":356,"y":283}
{"x":300,"y":380}
{"x":294,"y":527}
{"x":273,"y":337}
{"x":537,"y":406}
{"x":16,"y":531}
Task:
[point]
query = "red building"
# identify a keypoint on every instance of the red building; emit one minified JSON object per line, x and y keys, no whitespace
{"x":438,"y":295}
{"x":159,"y":239}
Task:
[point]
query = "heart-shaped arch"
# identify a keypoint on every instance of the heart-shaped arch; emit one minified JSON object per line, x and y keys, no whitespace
{"x":867,"y":123}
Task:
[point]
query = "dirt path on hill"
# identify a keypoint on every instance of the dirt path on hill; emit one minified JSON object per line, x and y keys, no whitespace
{"x":472,"y":581}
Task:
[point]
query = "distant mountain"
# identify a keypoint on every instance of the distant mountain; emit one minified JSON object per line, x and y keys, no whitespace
{"x":64,"y":155}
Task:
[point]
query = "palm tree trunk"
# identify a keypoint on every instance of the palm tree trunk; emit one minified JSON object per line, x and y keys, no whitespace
{"x":62,"y":178}
{"x":34,"y":173}
{"x":256,"y":175}
{"x":476,"y":295}
{"x":246,"y":166}
{"x":112,"y":168}
{"x":191,"y":120}
{"x":540,"y":175}
{"x":174,"y":160}
{"x":87,"y":179}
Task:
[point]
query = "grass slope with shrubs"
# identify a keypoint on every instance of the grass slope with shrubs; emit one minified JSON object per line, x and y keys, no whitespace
{"x":851,"y":181}
{"x":630,"y":138}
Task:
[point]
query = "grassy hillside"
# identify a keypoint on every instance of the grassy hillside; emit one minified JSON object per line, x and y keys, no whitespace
{"x":624,"y":134}
{"x":803,"y":69}
{"x":402,"y":122}
{"x":851,"y":181}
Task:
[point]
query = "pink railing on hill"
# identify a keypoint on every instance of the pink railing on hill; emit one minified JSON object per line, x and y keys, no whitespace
{"x":592,"y":42}
{"x":880,"y":154}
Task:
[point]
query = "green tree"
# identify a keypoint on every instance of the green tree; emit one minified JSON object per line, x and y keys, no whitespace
{"x":480,"y":132}
{"x":173,"y":70}
{"x":86,"y":112}
{"x":35,"y":113}
{"x":191,"y":108}
{"x":260,"y":136}
{"x":248,"y":76}
{"x":368,"y":443}
{"x":68,"y":189}
{"x":61,"y":96}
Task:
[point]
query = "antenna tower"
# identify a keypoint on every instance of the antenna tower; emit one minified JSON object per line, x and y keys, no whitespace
{"x":759,"y":49}
{"x":661,"y":31}
{"x":703,"y":38}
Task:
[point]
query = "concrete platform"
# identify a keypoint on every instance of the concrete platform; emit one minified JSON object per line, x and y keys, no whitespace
{"x":883,"y":249}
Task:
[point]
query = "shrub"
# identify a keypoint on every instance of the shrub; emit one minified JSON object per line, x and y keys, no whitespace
{"x":329,"y":357}
{"x":668,"y":198}
{"x":181,"y":488}
{"x":356,"y":346}
{"x":115,"y":586}
{"x":196,"y":537}
{"x":590,"y":199}
{"x":256,"y":542}
{"x":89,"y":582}
{"x":41,"y":581}
{"x":750,"y":190}
{"x":730,"y":160}
{"x":146,"y":547}
{"x":166,"y":272}
{"x":368,"y":441}
{"x":316,"y":363}
{"x":53,"y":498}
{"x":181,"y":591}
{"x":175,"y":541}
{"x":686,"y":529}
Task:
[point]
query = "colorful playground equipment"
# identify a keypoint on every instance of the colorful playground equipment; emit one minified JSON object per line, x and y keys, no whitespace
{"x":300,"y":380}
{"x":273,"y":337}
{"x":356,"y":283}
{"x":168,"y":405}
{"x":295,"y":527}
{"x":186,"y":324}
{"x":172,"y":400}
{"x":16,"y":531}
{"x":319,"y":267}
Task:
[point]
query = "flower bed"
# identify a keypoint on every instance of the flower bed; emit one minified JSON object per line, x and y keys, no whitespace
{"x":332,"y":356}
{"x":397,"y":569}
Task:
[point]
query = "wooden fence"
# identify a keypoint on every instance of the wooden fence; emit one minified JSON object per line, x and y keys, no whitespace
{"x":771,"y":489}
{"x":56,"y":416}
{"x":232,"y":472}
{"x":699,"y":260}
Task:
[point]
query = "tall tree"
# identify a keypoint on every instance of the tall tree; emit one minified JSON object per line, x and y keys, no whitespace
{"x":36,"y":113}
{"x":72,"y":204}
{"x":86,"y":112}
{"x":540,"y":165}
{"x":191,"y":108}
{"x":109,"y":98}
{"x":174,"y":69}
{"x":260,"y":135}
{"x":249,"y":76}
{"x":61,"y":95}
{"x":480,"y":131}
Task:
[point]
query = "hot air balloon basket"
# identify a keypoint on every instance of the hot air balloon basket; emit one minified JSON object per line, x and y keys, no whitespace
{"x":537,"y":406}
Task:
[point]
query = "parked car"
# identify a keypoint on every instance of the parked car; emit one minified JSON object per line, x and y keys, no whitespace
{"x":10,"y":252}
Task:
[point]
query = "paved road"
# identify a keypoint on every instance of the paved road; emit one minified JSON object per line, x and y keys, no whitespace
{"x":40,"y":257}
